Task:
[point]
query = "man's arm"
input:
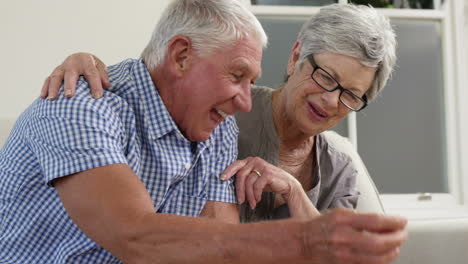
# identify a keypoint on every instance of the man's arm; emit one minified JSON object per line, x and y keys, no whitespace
{"x":112,"y":207}
{"x":221,"y":211}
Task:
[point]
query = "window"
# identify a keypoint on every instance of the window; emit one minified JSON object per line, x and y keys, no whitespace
{"x":294,"y":2}
{"x":401,"y":135}
{"x":415,"y":4}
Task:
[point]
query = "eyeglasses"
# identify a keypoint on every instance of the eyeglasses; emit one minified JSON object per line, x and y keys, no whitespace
{"x":329,"y":84}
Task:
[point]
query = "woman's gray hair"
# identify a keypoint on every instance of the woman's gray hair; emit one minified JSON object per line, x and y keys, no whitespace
{"x":353,"y":30}
{"x":210,"y":25}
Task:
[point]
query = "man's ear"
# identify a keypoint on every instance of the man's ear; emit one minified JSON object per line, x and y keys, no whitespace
{"x":180,"y":54}
{"x":293,"y":57}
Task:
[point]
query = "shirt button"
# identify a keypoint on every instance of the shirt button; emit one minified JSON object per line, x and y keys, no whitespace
{"x":187,"y":166}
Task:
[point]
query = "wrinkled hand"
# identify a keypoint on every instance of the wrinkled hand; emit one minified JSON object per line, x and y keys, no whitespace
{"x":346,"y":236}
{"x":88,"y":65}
{"x":254,"y":176}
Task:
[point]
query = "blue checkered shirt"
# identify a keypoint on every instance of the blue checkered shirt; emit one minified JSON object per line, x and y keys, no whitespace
{"x":129,"y":125}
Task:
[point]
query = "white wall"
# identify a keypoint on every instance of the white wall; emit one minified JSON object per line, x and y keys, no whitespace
{"x":466,"y":33}
{"x":38,"y":35}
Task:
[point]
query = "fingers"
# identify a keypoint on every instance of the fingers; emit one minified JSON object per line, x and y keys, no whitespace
{"x":384,"y":258}
{"x":245,"y":179}
{"x":378,"y":243}
{"x":367,"y":243}
{"x":249,"y":189}
{"x":232,"y":169}
{"x":92,"y":76}
{"x":347,"y":255}
{"x":241,"y":181}
{"x":102,"y":70}
{"x":253,"y":188}
{"x":377,"y":222}
{"x":55,"y":81}
{"x":368,"y":221}
{"x":93,"y":70}
{"x":45,"y":88}
{"x":254,"y":175}
{"x":362,"y":238}
{"x":71,"y":78}
{"x":242,"y":169}
{"x":258,"y":188}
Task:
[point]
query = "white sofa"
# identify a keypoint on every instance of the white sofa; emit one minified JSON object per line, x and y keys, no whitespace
{"x":431,"y":241}
{"x":442,"y":241}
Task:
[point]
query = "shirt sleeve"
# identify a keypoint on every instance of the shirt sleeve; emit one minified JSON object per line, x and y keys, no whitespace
{"x":225,"y":153}
{"x":346,"y":194}
{"x":69,"y":135}
{"x":339,"y":172}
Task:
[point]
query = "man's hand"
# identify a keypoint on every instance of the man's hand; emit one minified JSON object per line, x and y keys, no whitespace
{"x":351,"y":237}
{"x":88,"y":65}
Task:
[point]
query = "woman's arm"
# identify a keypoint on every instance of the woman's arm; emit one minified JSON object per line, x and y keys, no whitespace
{"x":254,"y":175}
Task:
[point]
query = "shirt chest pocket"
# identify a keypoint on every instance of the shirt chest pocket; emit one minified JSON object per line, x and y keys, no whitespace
{"x":183,"y":204}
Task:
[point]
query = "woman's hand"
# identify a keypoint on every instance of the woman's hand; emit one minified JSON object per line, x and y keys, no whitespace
{"x":254,"y":175}
{"x":88,"y":65}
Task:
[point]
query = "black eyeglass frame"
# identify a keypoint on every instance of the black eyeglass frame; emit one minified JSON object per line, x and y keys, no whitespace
{"x":338,"y":85}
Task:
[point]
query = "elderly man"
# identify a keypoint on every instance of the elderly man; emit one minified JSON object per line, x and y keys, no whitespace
{"x":81,"y":179}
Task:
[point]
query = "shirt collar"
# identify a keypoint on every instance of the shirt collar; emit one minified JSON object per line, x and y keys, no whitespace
{"x":158,"y":119}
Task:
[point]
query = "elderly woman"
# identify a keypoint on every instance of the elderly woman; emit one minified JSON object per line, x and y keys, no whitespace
{"x":341,"y":60}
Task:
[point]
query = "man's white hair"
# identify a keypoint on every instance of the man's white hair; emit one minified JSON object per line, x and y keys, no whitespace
{"x":211,"y":25}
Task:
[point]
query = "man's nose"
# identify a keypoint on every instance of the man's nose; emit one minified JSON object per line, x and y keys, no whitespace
{"x":243,"y":100}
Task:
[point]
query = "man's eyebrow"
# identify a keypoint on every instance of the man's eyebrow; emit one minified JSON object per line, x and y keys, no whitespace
{"x":245,"y":67}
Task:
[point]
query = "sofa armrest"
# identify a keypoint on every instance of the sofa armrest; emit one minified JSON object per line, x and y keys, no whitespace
{"x":436,"y":241}
{"x":369,"y":200}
